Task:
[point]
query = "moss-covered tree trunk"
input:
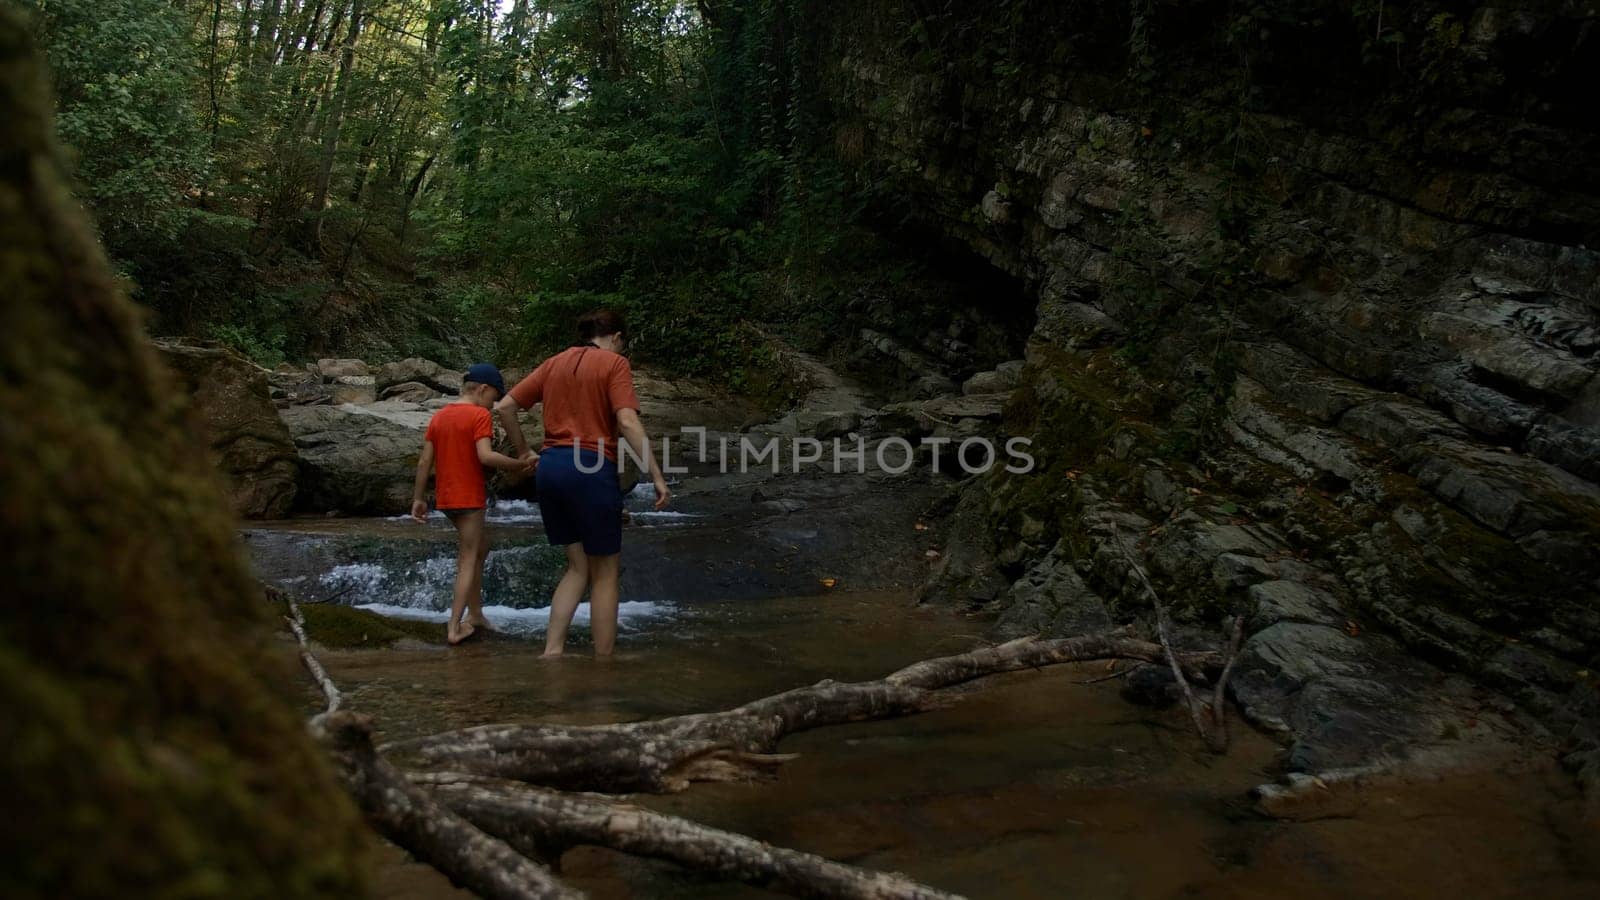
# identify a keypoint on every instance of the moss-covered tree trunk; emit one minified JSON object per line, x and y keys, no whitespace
{"x":151,"y":745}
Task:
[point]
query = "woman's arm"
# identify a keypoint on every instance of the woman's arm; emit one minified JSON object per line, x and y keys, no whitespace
{"x":508,"y":409}
{"x":419,"y":490}
{"x":633,"y":432}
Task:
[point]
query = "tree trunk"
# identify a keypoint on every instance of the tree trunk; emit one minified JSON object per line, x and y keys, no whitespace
{"x":330,"y":131}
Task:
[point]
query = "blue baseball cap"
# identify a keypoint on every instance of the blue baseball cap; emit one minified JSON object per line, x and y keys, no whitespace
{"x":484,"y":373}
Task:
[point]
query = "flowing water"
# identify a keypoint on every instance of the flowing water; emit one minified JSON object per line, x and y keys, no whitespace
{"x":1043,"y":784}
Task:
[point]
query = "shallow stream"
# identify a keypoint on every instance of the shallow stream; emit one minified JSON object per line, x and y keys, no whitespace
{"x":1044,"y":784}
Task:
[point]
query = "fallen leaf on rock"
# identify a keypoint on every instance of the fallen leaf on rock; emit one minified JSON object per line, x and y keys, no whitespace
{"x":932,"y":554}
{"x":1352,"y":628}
{"x":921,"y":526}
{"x":829,"y":582}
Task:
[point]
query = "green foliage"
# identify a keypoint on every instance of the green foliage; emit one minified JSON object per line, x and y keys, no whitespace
{"x":314,"y":175}
{"x":122,"y":75}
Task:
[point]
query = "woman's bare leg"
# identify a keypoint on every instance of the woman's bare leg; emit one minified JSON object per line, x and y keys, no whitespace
{"x":564,"y":602}
{"x":604,"y":575}
{"x":469,"y":572}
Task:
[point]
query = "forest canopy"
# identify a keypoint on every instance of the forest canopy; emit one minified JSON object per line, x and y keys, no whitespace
{"x":450,"y":177}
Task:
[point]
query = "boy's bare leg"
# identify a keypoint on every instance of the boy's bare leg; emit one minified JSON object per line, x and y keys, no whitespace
{"x":469,"y":572}
{"x":604,"y":575}
{"x":564,"y":602}
{"x":475,"y":599}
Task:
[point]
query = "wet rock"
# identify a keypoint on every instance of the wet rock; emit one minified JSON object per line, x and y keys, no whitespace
{"x":837,"y":425}
{"x":1393,"y":424}
{"x":783,"y":505}
{"x":409,"y":391}
{"x":967,"y":573}
{"x":331,"y":369}
{"x":1572,"y":447}
{"x":1316,"y":454}
{"x":1051,"y":598}
{"x":1002,"y":379}
{"x":353,"y":461}
{"x":1301,"y":383}
{"x":419,"y":371}
{"x":1234,"y":571}
{"x":357,"y":389}
{"x":1485,"y":410}
{"x":1525,"y":499}
{"x":1508,"y":354}
{"x":929,"y":378}
{"x":1153,"y":686}
{"x":249,"y":443}
{"x":1289,"y":601}
{"x":995,"y":208}
{"x":1074,"y":324}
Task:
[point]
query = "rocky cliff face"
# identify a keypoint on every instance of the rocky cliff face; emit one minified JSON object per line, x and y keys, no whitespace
{"x":1317,"y":322}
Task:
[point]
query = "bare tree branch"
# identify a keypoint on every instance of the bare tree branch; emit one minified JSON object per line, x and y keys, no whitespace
{"x":407,"y":815}
{"x":539,"y":820}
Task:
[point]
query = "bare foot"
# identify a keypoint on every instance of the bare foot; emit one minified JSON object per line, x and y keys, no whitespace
{"x":480,"y":622}
{"x":457,"y":635}
{"x":549,"y":653}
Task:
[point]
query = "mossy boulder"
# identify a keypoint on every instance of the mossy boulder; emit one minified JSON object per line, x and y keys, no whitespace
{"x":153,"y":745}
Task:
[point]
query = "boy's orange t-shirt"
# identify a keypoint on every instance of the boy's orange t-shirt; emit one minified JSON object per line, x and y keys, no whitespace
{"x":454,"y":432}
{"x":581,"y":389}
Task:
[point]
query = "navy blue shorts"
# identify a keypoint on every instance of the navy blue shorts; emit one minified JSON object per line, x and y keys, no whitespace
{"x":579,"y":505}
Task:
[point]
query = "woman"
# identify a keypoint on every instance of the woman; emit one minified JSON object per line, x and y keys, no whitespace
{"x":589,"y":401}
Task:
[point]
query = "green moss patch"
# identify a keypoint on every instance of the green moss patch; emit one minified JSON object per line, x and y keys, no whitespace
{"x":345,"y":627}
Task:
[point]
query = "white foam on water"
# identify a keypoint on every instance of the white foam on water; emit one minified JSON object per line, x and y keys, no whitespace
{"x":514,"y":512}
{"x":630,"y":613}
{"x":526,"y":512}
{"x":424,"y":584}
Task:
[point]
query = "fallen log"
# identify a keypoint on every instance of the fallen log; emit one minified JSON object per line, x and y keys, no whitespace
{"x":666,"y":755}
{"x":538,"y":821}
{"x":408,"y":816}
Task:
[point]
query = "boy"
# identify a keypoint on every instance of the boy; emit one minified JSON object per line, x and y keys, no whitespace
{"x":459,"y":443}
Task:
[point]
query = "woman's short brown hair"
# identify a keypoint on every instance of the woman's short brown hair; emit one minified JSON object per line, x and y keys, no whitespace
{"x":599,"y":323}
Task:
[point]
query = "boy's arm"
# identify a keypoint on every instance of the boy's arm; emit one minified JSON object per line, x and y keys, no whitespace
{"x":419,"y":502}
{"x":494,"y":459}
{"x":508,"y":409}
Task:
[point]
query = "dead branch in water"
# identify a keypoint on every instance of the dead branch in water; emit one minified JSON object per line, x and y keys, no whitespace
{"x":666,"y":755}
{"x":540,"y":820}
{"x":408,"y":816}
{"x":483,"y":823}
{"x":1210,"y":719}
{"x":442,"y":827}
{"x":297,"y":625}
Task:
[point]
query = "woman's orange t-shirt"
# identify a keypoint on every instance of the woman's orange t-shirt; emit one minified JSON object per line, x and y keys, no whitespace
{"x":581,"y":389}
{"x":454,"y":432}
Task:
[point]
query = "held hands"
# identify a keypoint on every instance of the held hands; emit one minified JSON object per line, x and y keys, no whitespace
{"x":663,"y":494}
{"x":419,"y":510}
